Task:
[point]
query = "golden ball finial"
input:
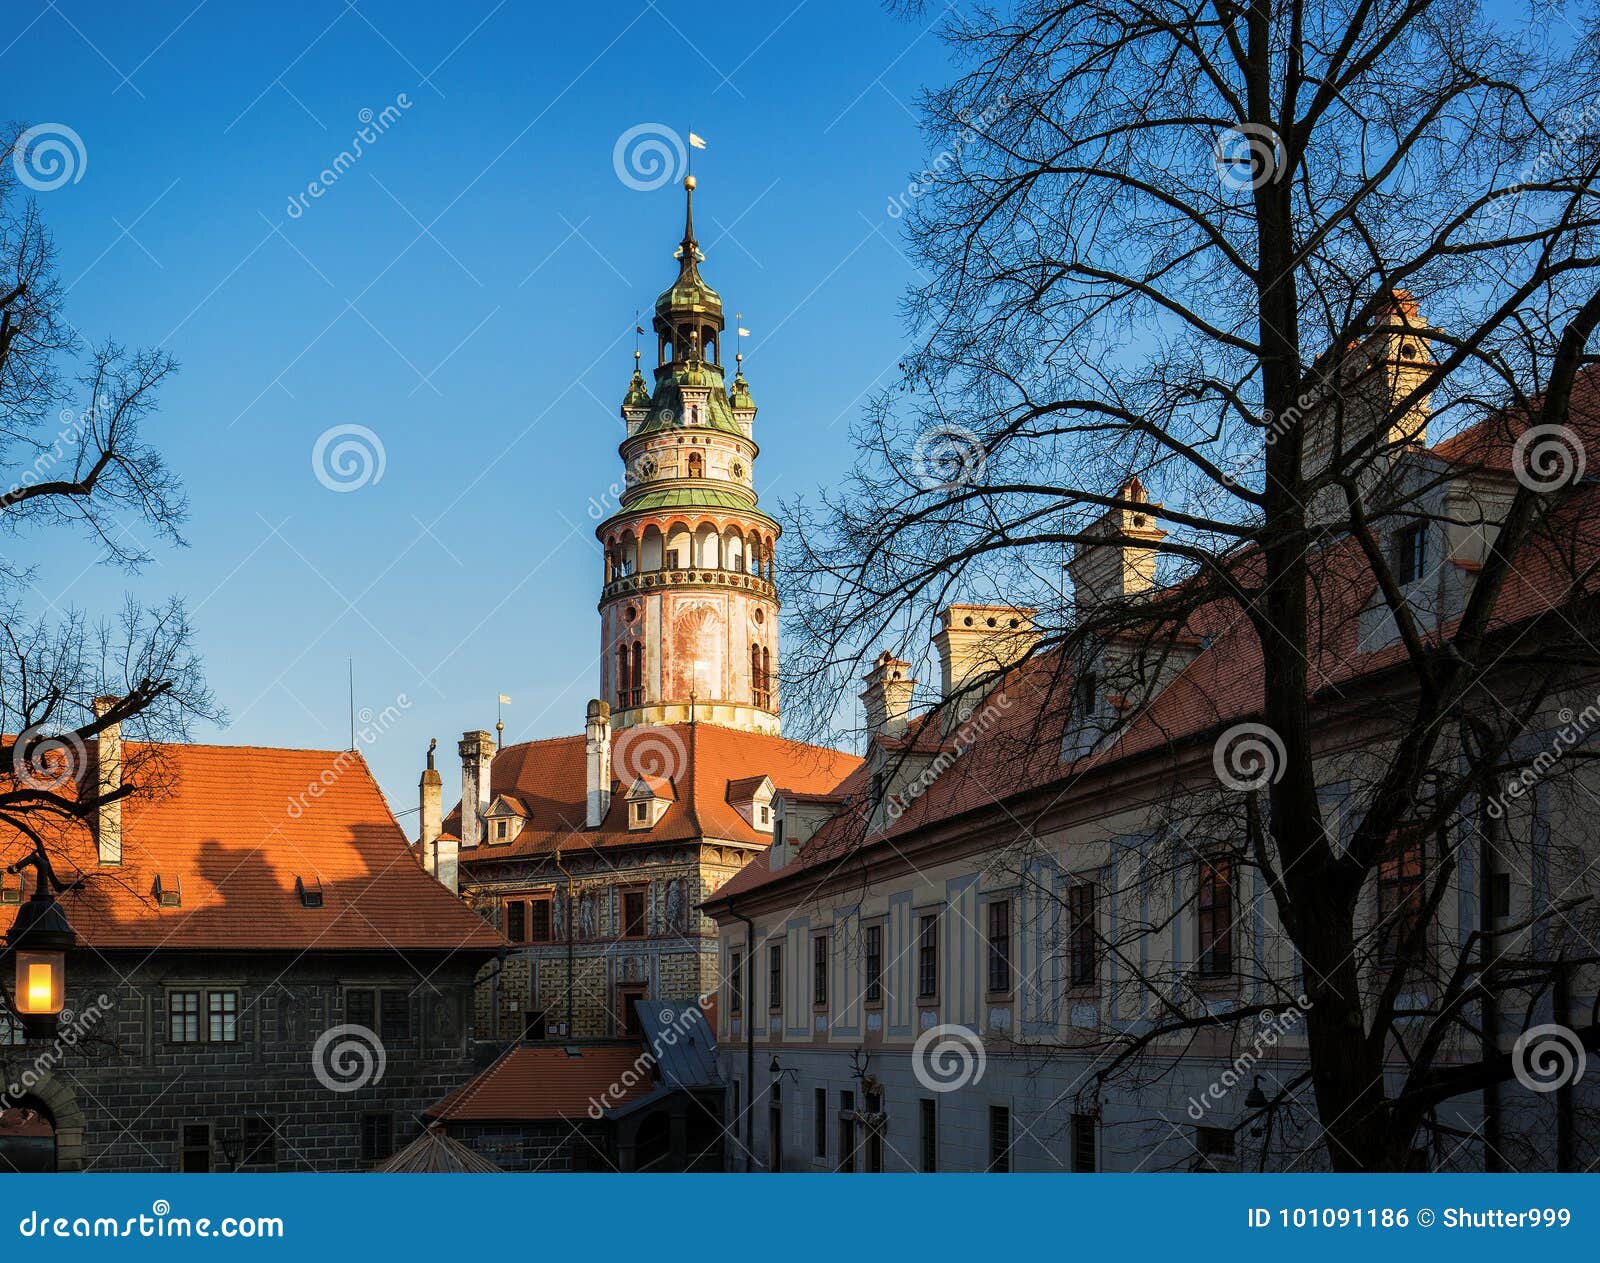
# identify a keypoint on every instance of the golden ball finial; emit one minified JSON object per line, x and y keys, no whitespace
{"x":688,"y":183}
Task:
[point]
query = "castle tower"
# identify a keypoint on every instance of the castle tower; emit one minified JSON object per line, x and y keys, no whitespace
{"x":688,"y":610}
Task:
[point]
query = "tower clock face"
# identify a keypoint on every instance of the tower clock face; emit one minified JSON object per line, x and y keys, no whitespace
{"x":647,"y":467}
{"x":737,"y":469}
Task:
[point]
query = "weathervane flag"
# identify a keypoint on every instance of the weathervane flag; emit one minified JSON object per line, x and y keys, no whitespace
{"x":696,"y":142}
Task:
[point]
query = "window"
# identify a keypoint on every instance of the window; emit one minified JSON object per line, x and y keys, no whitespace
{"x":736,"y":981}
{"x":222,"y":1017}
{"x":534,"y":1025}
{"x":1411,"y":552}
{"x":183,"y":1017}
{"x":928,"y":1108}
{"x":500,"y":829}
{"x":377,"y":1137}
{"x":672,"y":559}
{"x":928,"y":957}
{"x":196,"y":1155}
{"x":1214,"y":914}
{"x":1087,"y":695}
{"x":1500,"y":894}
{"x":999,"y":1138}
{"x":633,"y":914}
{"x":775,"y":1128}
{"x":775,"y":978}
{"x":874,"y":964}
{"x":1213,"y":1142}
{"x":360,"y":1007}
{"x":819,"y":971}
{"x":766,"y":815}
{"x":819,"y":1124}
{"x":517,"y":921}
{"x":539,"y":921}
{"x":394,"y":1014}
{"x":777,"y":832}
{"x":733,"y":1109}
{"x":260,"y":1147}
{"x":641,"y":812}
{"x":10,"y":1030}
{"x":847,"y":1131}
{"x":1085,"y":1151}
{"x":873,"y":1104}
{"x":628,"y":1022}
{"x":1000,"y":946}
{"x":1082,"y":959}
{"x":1400,"y":899}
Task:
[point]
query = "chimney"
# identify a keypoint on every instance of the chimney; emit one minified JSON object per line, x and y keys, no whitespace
{"x":1124,"y":566}
{"x":108,"y":780}
{"x":597,"y":750}
{"x":1378,"y":372}
{"x":430,"y":792}
{"x":477,"y":753}
{"x":976,"y":643}
{"x":888,"y":696}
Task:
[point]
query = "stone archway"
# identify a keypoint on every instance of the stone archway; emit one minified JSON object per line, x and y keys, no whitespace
{"x":61,"y":1104}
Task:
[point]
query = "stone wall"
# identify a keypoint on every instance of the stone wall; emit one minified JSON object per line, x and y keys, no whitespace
{"x":122,"y":1094}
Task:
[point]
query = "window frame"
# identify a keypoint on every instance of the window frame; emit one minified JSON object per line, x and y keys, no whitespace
{"x":736,"y":979}
{"x":222,"y":1001}
{"x":258,"y":1151}
{"x":541,"y":905}
{"x":1000,"y":1157}
{"x":872,"y":965}
{"x":1216,"y":905}
{"x":819,"y":1124}
{"x":819,"y":971}
{"x":928,"y":958}
{"x":775,"y":978}
{"x":1402,"y":878}
{"x":1083,"y":956}
{"x":1411,"y":553}
{"x":998,"y":948}
{"x":928,"y":1129}
{"x":624,"y":921}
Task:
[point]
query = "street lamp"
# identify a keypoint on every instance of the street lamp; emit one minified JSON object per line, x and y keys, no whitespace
{"x":38,"y":942}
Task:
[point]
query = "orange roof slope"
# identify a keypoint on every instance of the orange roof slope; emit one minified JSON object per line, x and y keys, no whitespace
{"x":1022,"y":751}
{"x":549,"y":778}
{"x":234,"y":826}
{"x":532,"y":1082}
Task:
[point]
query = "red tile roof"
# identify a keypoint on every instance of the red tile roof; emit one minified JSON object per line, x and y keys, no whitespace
{"x":537,"y":1082}
{"x":549,"y":778}
{"x":235,"y":826}
{"x":1023,"y":750}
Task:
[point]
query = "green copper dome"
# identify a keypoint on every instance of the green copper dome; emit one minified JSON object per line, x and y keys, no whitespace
{"x":739,"y":393}
{"x":638,"y":395}
{"x":689,"y":295}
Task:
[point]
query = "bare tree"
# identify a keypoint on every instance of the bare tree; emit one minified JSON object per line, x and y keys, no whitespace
{"x":1225,"y":271}
{"x":75,"y":458}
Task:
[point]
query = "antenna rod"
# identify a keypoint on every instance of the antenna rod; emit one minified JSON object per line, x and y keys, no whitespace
{"x":352,"y":665}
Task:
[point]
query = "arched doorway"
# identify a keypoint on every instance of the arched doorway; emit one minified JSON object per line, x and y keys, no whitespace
{"x":27,"y":1139}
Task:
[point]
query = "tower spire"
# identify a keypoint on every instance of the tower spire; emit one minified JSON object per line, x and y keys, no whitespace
{"x":688,"y":252}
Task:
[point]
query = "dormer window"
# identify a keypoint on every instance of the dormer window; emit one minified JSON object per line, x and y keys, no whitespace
{"x":310,"y":891}
{"x":1087,"y":700}
{"x":1411,"y":552}
{"x":648,"y":800}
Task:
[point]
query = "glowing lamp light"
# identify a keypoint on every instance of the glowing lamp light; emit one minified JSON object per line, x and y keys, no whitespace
{"x":40,"y":983}
{"x":38,"y":944}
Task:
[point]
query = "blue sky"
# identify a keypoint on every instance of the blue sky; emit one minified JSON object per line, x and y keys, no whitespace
{"x":466,"y":292}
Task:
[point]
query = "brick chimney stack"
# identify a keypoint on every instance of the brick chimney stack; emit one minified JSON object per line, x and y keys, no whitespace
{"x":887,"y":696}
{"x":108,"y":780}
{"x":477,"y":753}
